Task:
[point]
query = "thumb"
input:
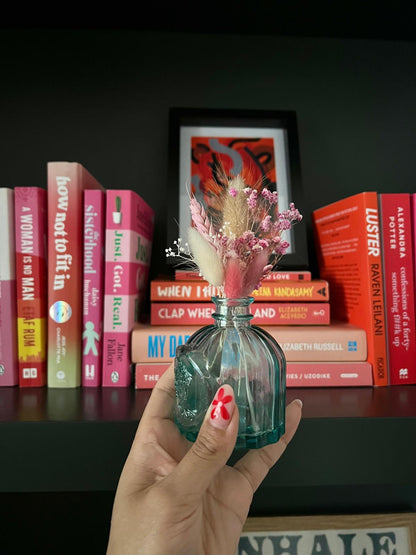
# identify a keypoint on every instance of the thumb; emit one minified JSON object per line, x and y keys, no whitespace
{"x":213,"y":446}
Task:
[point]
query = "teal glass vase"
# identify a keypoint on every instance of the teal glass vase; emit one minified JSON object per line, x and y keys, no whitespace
{"x":235,"y":352}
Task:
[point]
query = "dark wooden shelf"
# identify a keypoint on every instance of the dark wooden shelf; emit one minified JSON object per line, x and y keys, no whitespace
{"x":354,"y":450}
{"x":43,"y":405}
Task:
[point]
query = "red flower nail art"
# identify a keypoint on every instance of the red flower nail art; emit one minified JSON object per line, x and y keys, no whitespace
{"x":219,"y":410}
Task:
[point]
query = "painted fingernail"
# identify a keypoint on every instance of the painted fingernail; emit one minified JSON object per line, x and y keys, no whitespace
{"x":222,"y":407}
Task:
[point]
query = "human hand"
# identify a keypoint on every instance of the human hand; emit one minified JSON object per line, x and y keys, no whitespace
{"x":176,"y":497}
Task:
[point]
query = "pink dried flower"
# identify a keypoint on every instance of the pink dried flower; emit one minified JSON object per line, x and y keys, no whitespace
{"x":252,"y":199}
{"x":266,"y":223}
{"x":271,"y":196}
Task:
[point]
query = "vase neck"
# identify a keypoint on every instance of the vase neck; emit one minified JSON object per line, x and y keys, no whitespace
{"x":232,"y":312}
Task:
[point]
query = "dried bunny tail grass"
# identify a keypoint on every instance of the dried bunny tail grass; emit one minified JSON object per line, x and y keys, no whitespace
{"x":236,"y":213}
{"x":206,"y":258}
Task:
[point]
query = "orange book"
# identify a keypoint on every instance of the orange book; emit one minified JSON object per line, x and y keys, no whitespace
{"x":338,"y":341}
{"x":162,"y":289}
{"x":274,"y":313}
{"x":348,"y":247}
{"x":284,"y":275}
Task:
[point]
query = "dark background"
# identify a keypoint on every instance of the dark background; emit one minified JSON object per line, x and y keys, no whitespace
{"x":96,"y":88}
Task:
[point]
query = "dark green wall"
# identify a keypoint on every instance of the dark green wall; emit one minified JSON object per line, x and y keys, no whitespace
{"x":102,"y":98}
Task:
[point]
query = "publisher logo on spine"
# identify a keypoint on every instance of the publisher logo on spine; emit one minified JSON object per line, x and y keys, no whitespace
{"x":60,"y":312}
{"x":115,"y":376}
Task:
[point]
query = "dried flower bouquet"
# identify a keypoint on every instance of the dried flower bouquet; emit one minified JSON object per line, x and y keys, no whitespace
{"x":236,"y":252}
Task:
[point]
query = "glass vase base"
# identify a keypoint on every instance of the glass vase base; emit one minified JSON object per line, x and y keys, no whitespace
{"x":256,"y":442}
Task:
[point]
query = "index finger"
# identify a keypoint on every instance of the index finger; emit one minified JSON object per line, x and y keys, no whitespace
{"x":162,"y":399}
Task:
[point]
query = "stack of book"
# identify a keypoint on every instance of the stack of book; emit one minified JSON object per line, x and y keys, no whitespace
{"x":365,"y":245}
{"x":291,"y":306}
{"x":74,"y":278}
{"x":285,"y":298}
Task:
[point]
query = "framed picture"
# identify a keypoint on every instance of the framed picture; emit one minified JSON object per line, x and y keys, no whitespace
{"x":205,"y":144}
{"x":358,"y":533}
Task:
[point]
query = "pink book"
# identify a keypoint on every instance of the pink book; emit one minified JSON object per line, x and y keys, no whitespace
{"x":399,"y":286}
{"x":93,"y":287}
{"x":66,"y":183}
{"x":9,"y":371}
{"x":128,"y":245}
{"x":31,"y":237}
{"x":274,"y":313}
{"x":298,"y":374}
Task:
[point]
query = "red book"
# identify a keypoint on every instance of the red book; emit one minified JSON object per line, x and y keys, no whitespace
{"x":291,"y":275}
{"x":298,"y":374}
{"x":413,"y":219}
{"x":31,"y":276}
{"x":128,"y":245}
{"x":66,"y":184}
{"x":9,"y":371}
{"x":399,"y":286}
{"x":338,"y":341}
{"x":274,"y":313}
{"x":348,"y":247}
{"x":93,"y":287}
{"x":162,"y":289}
{"x":146,"y":374}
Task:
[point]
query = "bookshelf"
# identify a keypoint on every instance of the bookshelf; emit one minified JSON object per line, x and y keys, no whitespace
{"x":354,"y":450}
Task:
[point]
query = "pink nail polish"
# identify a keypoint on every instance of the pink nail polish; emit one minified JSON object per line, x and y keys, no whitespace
{"x":222,"y":408}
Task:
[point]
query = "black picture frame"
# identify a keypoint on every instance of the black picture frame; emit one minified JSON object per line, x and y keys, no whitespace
{"x":279,"y":124}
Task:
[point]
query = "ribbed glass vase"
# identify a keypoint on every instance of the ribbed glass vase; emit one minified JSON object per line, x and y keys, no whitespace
{"x":232,"y":351}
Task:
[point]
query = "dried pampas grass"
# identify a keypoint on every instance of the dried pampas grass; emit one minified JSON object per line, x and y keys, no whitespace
{"x":235,"y":212}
